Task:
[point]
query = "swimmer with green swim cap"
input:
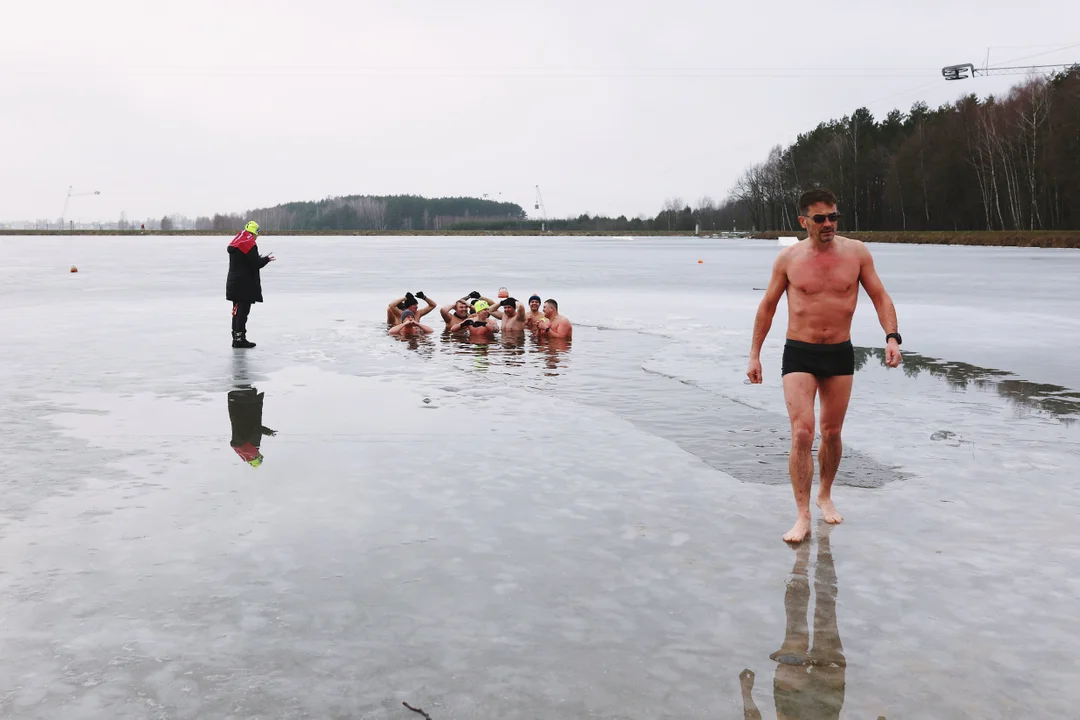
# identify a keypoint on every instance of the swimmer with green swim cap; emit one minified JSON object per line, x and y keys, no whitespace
{"x":481,"y":325}
{"x":463,"y":309}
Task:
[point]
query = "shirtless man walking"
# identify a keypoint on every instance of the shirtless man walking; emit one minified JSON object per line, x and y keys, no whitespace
{"x":821,"y":276}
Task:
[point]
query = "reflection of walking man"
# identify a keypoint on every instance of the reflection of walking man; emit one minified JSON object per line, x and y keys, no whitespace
{"x":809,"y":682}
{"x":245,"y":414}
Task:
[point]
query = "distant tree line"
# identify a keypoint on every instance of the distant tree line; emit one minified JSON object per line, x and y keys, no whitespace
{"x":1010,"y":163}
{"x":365,"y":212}
{"x":410,"y":212}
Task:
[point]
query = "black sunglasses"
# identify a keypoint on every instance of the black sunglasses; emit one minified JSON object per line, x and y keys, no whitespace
{"x":832,"y":217}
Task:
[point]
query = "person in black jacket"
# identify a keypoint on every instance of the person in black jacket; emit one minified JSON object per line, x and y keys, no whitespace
{"x":245,"y":415}
{"x":243,"y":286}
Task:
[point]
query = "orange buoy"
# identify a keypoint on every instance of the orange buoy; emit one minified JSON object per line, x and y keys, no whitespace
{"x":74,"y":269}
{"x":699,"y":262}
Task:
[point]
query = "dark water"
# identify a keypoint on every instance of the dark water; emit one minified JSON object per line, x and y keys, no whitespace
{"x":524,"y":528}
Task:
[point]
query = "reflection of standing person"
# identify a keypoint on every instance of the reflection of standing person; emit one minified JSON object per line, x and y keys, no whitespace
{"x":556,"y":352}
{"x":809,"y":683}
{"x":244,"y":286}
{"x":821,"y":276}
{"x":245,"y":414}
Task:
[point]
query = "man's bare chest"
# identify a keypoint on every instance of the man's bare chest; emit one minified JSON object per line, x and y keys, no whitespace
{"x":824,"y":276}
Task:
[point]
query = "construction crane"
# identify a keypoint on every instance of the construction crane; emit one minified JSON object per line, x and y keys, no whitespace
{"x":70,"y":195}
{"x":539,"y":205}
{"x":962,"y":72}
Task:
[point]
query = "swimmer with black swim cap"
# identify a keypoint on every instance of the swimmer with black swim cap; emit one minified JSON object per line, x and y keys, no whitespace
{"x":821,"y":276}
{"x":408,"y":302}
{"x":409,"y":326}
{"x":534,"y":314}
{"x":513,"y":315}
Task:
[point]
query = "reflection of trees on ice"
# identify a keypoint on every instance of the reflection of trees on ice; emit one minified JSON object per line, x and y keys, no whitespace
{"x":1054,"y":399}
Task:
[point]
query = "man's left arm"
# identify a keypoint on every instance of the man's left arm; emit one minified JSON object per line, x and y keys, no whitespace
{"x":886,"y":311}
{"x":430,"y":305}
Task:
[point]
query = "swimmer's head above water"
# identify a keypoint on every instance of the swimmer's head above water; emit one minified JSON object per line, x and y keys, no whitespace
{"x":551,"y":308}
{"x":462,"y":309}
{"x":481,"y":308}
{"x":534,"y":303}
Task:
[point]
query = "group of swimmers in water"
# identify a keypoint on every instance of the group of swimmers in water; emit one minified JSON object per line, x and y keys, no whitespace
{"x":479,"y":316}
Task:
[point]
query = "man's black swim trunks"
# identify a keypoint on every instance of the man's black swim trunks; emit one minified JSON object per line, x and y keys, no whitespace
{"x":818,"y":360}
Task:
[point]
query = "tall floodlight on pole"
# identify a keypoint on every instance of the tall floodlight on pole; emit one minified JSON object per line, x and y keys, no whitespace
{"x":967,"y":70}
{"x":539,"y":205}
{"x":70,"y":195}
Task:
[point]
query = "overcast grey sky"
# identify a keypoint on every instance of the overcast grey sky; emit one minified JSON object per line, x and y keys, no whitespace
{"x":206,"y":106}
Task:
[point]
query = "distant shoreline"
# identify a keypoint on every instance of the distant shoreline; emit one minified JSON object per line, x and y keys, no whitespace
{"x":996,"y":238}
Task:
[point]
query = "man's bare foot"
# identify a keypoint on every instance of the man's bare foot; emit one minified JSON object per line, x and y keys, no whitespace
{"x":746,"y":680}
{"x":829,"y":513}
{"x":798,"y":533}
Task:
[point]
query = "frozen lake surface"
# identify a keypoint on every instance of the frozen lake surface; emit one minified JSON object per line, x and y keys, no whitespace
{"x":526,"y":530}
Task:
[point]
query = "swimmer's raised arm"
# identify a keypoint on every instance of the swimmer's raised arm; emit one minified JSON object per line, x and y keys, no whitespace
{"x":396,"y":330}
{"x":778,"y":283}
{"x":430,"y":304}
{"x":512,"y":303}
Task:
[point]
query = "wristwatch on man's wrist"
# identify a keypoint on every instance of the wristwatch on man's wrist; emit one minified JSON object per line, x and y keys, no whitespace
{"x":899,"y":340}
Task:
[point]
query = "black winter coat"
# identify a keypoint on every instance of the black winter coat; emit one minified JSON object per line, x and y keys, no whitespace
{"x":243,"y":284}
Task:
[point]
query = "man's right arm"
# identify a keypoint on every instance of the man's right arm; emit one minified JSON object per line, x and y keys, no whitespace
{"x":778,"y":283}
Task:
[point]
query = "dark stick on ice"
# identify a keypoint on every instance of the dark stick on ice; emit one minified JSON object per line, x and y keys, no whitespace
{"x":417,"y":710}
